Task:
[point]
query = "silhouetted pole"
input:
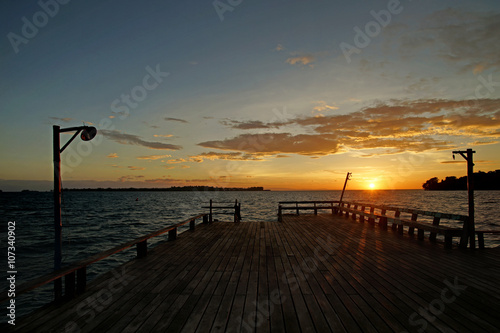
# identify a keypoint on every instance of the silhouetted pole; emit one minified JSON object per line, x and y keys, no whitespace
{"x":471,"y":229}
{"x":57,"y":208}
{"x":349,"y":174}
{"x":87,"y":135}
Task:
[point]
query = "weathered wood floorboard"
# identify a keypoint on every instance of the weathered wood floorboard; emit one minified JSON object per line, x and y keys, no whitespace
{"x":307,"y":274}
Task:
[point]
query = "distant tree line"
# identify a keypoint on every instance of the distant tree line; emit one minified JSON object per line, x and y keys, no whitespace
{"x":482,"y":181}
{"x":174,"y":188}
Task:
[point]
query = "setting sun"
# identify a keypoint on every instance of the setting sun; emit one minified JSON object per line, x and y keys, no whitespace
{"x":372,"y":186}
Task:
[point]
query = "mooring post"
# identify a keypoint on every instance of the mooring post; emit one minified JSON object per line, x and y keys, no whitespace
{"x":210,"y":215}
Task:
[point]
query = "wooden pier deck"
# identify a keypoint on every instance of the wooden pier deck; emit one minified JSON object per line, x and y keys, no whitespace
{"x":308,"y":273}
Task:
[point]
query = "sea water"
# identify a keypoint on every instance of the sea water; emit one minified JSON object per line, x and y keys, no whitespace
{"x":94,"y":221}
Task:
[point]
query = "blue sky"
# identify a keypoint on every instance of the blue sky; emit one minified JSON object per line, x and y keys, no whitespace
{"x":266,"y":96}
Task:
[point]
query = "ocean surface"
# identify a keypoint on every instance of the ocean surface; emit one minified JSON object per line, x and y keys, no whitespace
{"x":96,"y":221}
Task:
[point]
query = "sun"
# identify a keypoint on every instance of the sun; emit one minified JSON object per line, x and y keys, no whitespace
{"x":372,"y":186}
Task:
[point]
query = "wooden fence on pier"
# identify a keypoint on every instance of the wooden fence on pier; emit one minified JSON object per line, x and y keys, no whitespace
{"x":75,"y":275}
{"x":399,"y":217}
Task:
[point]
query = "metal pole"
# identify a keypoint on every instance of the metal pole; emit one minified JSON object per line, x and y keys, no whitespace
{"x":471,"y":229}
{"x":470,"y":189}
{"x":57,"y":209}
{"x":57,"y":199}
{"x":345,"y":183}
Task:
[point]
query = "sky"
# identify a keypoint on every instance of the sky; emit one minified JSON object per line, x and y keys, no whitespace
{"x":287,"y":95}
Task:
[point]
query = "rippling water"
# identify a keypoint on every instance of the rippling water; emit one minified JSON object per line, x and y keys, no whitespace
{"x":96,"y":221}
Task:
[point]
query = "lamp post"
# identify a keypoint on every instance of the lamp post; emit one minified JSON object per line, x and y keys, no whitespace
{"x":87,"y":134}
{"x":349,"y":174}
{"x":471,"y":232}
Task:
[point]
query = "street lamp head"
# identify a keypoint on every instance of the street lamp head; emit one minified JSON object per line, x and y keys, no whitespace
{"x":88,"y":133}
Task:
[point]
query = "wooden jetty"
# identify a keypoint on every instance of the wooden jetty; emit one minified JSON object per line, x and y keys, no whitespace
{"x":308,"y":273}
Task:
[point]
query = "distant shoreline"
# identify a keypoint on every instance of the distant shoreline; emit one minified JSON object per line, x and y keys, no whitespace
{"x":168,"y":189}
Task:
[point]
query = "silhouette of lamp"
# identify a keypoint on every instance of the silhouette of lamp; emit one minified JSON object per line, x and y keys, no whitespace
{"x":87,"y":134}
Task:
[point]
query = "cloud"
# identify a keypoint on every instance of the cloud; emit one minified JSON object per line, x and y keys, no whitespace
{"x":279,"y":47}
{"x":185,"y":167}
{"x":462,"y":38}
{"x":177,"y":160}
{"x":163,"y":135}
{"x":322,"y":107}
{"x":383,"y":128}
{"x":153,"y":157}
{"x":129,"y":178}
{"x":175,"y":119}
{"x":274,"y":143}
{"x":250,"y":124}
{"x":130,"y":139}
{"x":169,"y":167}
{"x":304,"y":60}
{"x":64,"y":120}
{"x":149,"y":125}
{"x":112,"y":155}
{"x":135,"y":168}
{"x":232,"y":156}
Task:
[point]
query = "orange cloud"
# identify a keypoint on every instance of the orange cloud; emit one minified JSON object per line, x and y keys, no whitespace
{"x":304,"y":60}
{"x":153,"y":157}
{"x":112,"y":155}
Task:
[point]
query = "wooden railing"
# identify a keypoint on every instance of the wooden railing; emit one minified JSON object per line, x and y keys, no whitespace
{"x":75,"y":275}
{"x":399,"y":217}
{"x":234,"y":210}
{"x":407,"y":217}
{"x":297,"y":206}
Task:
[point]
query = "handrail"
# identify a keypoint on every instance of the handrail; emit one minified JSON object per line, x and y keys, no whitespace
{"x":360,"y":209}
{"x":297,"y":208}
{"x":236,"y":214}
{"x":80,"y":266}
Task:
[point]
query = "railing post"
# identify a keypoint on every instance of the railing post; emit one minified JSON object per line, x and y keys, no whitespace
{"x":237,"y":213}
{"x":435,"y":221}
{"x":205,"y":219}
{"x":81,"y":280}
{"x":297,"y":206}
{"x":347,"y":210}
{"x":411,"y":230}
{"x":142,"y":249}
{"x":315,"y":209}
{"x":371,"y":220}
{"x":69,"y":285}
{"x":210,"y":215}
{"x":383,"y":220}
{"x":172,"y":234}
{"x":397,"y":214}
{"x":58,"y":289}
{"x":280,"y":214}
{"x":353,"y":216}
{"x":362,"y":216}
{"x":480,"y":240}
{"x":192,"y":224}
